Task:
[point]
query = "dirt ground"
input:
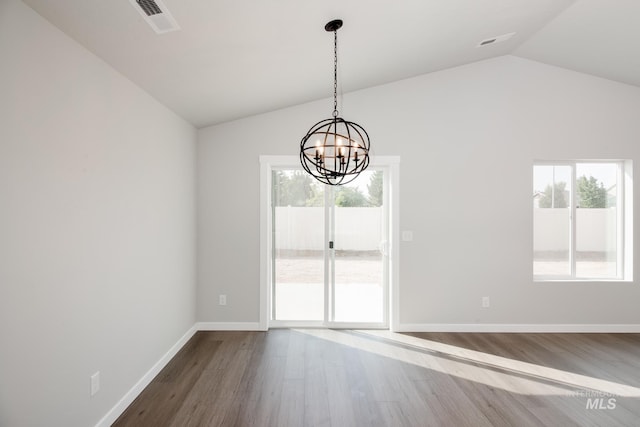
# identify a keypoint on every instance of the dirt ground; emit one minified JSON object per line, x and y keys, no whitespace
{"x":349,"y":269}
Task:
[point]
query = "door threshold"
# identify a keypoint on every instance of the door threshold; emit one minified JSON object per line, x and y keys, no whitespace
{"x":286,"y":324}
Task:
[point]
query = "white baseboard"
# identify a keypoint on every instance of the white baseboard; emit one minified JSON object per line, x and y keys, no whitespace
{"x":131,"y":395}
{"x":523,"y":328}
{"x":128,"y":398}
{"x":229,"y":326}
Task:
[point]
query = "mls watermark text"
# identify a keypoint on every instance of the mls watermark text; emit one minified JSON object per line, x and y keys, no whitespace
{"x":598,"y":400}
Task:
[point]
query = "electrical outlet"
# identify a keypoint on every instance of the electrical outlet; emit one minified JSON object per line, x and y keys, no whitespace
{"x":486,"y":302}
{"x":222,"y":300}
{"x":95,"y":383}
{"x":407,"y":236}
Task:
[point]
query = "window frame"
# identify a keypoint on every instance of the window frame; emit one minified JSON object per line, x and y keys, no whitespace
{"x":624,"y":218}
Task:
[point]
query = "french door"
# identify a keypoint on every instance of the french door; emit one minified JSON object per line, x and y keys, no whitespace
{"x":329,"y":258}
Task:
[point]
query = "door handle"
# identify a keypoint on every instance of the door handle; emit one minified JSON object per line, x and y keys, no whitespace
{"x":383,"y":247}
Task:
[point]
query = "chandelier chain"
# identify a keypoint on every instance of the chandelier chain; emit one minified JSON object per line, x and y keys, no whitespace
{"x":335,"y":73}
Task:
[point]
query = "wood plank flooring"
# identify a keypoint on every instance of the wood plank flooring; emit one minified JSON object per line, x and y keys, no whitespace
{"x":317,"y":377}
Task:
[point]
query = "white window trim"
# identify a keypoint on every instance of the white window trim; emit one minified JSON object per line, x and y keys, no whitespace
{"x":625,"y":219}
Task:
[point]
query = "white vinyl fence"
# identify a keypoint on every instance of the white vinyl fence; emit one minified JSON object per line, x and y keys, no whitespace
{"x":595,"y":230}
{"x":302,"y":228}
{"x":361,"y":229}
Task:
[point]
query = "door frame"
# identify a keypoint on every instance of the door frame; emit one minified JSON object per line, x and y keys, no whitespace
{"x":391,"y":164}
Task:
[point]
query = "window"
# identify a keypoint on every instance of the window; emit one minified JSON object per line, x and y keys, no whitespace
{"x":582,"y":220}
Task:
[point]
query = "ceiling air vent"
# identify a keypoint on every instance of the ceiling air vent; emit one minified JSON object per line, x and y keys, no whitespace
{"x":497,"y":39}
{"x":150,"y":7}
{"x":156,"y":14}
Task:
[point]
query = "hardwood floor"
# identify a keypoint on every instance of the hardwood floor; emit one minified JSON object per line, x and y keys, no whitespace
{"x":318,"y":377}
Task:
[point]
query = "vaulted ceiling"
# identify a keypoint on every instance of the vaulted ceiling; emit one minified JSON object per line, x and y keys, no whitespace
{"x":236,"y":58}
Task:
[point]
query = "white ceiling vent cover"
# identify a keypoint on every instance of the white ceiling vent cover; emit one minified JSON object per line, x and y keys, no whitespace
{"x":497,"y":39}
{"x":156,"y":14}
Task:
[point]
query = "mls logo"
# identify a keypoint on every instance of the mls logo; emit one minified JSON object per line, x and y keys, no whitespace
{"x":601,"y":403}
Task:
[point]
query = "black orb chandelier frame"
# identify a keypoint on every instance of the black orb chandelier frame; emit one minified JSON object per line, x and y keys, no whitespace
{"x":335,"y":151}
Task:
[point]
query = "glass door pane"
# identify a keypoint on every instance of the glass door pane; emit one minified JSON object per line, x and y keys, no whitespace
{"x":359,"y":243}
{"x":298,"y":224}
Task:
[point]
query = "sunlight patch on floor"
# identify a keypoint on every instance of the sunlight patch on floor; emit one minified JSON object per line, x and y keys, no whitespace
{"x":495,"y":371}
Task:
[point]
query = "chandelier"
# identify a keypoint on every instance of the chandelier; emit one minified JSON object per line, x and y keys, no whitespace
{"x":335,"y":150}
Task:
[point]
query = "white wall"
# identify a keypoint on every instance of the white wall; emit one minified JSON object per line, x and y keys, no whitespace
{"x":468,"y":138}
{"x":97,"y":227}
